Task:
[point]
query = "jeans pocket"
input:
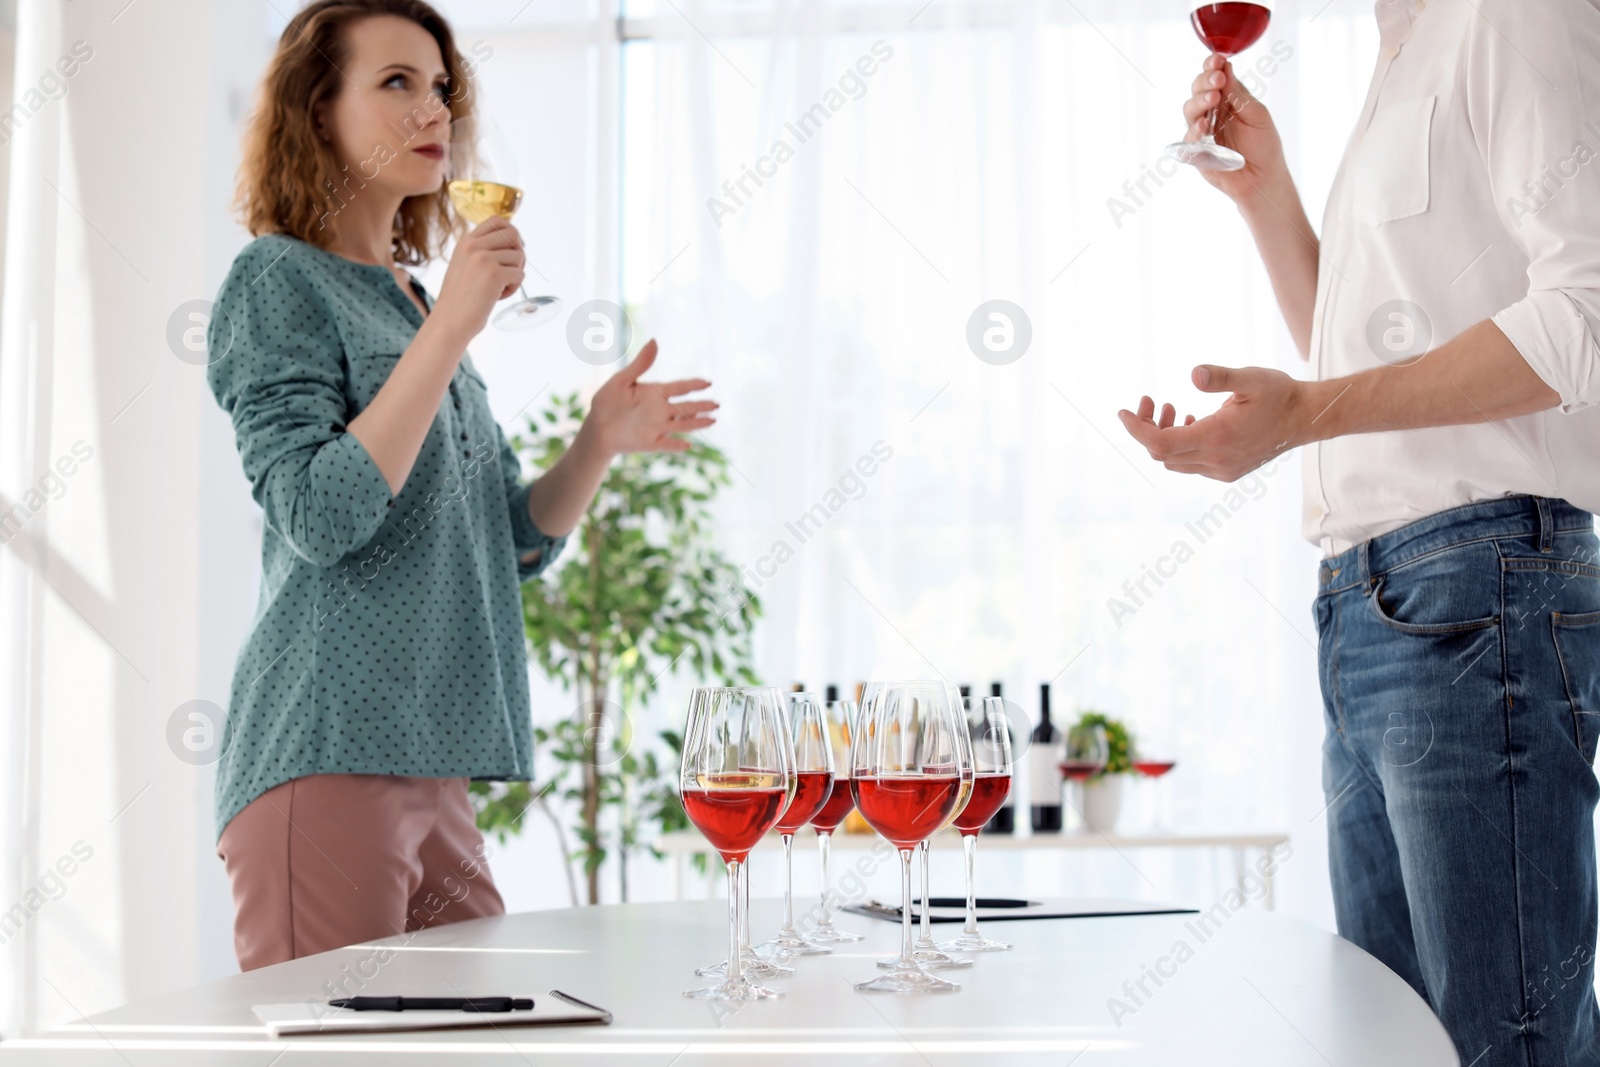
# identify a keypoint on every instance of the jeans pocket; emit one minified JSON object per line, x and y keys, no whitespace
{"x":1395,"y":613}
{"x":1577,"y":639}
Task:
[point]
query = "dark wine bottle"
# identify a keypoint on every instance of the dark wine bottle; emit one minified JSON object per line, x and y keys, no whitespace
{"x":1044,"y":774}
{"x":1004,"y":820}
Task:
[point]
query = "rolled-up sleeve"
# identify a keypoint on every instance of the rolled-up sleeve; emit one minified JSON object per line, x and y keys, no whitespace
{"x":1532,"y":81}
{"x":278,"y":371}
{"x":535,"y":548}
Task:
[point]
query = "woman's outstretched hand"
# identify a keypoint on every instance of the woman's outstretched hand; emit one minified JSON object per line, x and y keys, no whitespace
{"x":628,"y":415}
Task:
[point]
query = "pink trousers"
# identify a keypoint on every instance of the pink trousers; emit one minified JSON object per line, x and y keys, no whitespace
{"x":337,"y":859}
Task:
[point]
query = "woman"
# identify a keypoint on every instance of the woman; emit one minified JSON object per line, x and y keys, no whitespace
{"x":385,"y":666}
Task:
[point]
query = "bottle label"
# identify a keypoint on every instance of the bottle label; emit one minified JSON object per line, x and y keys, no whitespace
{"x":1044,"y":774}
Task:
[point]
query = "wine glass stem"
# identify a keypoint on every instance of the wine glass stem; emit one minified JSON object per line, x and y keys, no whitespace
{"x":1211,"y":121}
{"x":969,"y":845}
{"x":925,"y":907}
{"x":744,"y":908}
{"x":822,"y":847}
{"x":788,"y":884}
{"x":906,"y":959}
{"x":733,"y":974}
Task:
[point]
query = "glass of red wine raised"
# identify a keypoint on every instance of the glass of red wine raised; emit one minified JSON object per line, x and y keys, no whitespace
{"x":737,"y":779}
{"x":840,"y":717}
{"x":906,"y":772}
{"x":989,"y":729}
{"x":1227,"y":29}
{"x":813,"y":769}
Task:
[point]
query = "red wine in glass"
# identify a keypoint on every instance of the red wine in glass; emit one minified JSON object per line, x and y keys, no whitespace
{"x":1152,"y":768}
{"x":1079,"y":770}
{"x":810,"y":792}
{"x":1227,"y":29}
{"x":835,"y":808}
{"x":989,"y":791}
{"x":906,"y":810}
{"x":733,"y":811}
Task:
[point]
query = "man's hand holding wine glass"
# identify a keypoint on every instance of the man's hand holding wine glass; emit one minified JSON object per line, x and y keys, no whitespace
{"x":1242,"y":124}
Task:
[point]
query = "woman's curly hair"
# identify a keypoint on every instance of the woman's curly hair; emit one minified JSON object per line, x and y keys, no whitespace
{"x":289,"y":179}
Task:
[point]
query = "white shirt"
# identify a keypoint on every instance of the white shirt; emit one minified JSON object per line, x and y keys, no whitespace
{"x":1471,"y":189}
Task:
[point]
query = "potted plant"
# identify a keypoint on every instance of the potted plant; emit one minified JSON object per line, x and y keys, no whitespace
{"x":1102,"y":792}
{"x":640,"y":591}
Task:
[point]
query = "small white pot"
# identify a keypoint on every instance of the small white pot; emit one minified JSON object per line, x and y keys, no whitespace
{"x":1102,"y":803}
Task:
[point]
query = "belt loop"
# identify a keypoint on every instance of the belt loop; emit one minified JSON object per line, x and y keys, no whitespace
{"x":1547,"y":528}
{"x":1364,"y":564}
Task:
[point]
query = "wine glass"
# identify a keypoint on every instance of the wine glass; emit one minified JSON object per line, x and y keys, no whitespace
{"x":925,"y":951}
{"x":989,"y":729}
{"x":906,"y":775}
{"x":814,"y":770}
{"x":736,"y":780}
{"x":840,"y":716}
{"x":1227,"y":29}
{"x":484,"y":182}
{"x":1152,"y":760}
{"x":1086,"y":753}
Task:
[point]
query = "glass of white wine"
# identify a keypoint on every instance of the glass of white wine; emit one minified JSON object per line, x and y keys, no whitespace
{"x":483,"y":183}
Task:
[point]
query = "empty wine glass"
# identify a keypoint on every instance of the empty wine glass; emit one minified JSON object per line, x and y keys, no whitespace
{"x":485,"y":181}
{"x":813,"y":759}
{"x":736,"y":780}
{"x":906,"y":775}
{"x":989,"y":729}
{"x":841,"y":721}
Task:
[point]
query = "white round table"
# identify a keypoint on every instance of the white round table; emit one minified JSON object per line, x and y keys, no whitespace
{"x":1245,"y":988}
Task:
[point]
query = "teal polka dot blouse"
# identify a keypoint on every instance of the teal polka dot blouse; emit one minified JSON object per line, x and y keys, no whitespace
{"x":388,"y":638}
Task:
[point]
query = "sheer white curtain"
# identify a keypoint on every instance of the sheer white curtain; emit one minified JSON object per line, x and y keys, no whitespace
{"x":819,"y":196}
{"x":119,"y":568}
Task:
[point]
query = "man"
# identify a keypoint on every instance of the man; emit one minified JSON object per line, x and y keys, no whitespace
{"x":1450,"y":315}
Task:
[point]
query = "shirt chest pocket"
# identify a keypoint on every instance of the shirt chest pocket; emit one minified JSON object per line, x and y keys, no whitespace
{"x":1391,"y":179}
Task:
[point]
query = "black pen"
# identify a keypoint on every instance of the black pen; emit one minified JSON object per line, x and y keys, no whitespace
{"x":434,"y":1003}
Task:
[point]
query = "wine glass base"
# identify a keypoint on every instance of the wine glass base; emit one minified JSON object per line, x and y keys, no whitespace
{"x":752,"y":965}
{"x":830,"y":934}
{"x":787,"y":947}
{"x":527,"y":313}
{"x":907,"y":980}
{"x":741,"y":990}
{"x":927,"y":957}
{"x":1203,"y":155}
{"x":974,"y":943}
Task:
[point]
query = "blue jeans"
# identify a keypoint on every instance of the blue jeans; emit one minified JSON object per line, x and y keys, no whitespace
{"x":1460,"y":667}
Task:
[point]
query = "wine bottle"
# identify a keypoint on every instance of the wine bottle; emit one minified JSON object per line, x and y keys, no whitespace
{"x":1004,"y":820}
{"x":1044,"y":774}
